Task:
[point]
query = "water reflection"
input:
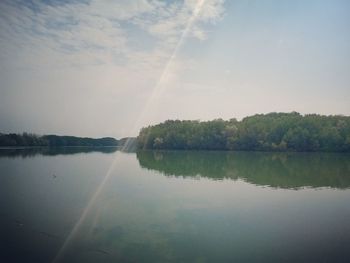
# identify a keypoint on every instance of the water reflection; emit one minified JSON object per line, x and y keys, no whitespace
{"x":141,"y":216}
{"x":52,"y":151}
{"x":281,"y":170}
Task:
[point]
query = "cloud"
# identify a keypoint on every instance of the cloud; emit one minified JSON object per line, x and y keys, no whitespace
{"x":89,"y":67}
{"x":93,"y":59}
{"x":94,"y":32}
{"x":171,"y":20}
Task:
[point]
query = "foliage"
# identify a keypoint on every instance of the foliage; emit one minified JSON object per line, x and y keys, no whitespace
{"x":26,"y":139}
{"x":55,"y":140}
{"x":261,"y":132}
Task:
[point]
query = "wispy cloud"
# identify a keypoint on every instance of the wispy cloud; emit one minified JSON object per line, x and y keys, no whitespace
{"x":96,"y":32}
{"x":90,"y":67}
{"x":79,"y":56}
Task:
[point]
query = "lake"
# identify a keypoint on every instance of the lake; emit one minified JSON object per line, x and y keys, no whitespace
{"x":103,"y":205}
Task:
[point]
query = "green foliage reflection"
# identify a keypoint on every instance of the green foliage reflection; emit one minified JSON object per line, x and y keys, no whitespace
{"x":282,"y":170}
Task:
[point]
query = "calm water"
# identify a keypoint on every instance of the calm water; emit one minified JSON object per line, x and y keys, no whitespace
{"x":173,"y":206}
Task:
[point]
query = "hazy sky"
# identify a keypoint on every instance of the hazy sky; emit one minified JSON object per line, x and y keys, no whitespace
{"x":106,"y":68}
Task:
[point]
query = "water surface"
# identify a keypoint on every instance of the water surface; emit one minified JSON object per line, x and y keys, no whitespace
{"x":174,"y":206}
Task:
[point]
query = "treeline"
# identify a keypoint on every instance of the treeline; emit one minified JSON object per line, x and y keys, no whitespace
{"x":261,"y":132}
{"x":27,"y":139}
{"x":55,"y":140}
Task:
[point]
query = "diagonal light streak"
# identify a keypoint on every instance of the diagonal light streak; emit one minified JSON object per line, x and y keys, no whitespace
{"x":157,"y":91}
{"x":159,"y":88}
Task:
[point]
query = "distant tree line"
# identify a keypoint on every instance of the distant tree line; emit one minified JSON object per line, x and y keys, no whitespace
{"x":261,"y":132}
{"x":55,"y":140}
{"x":27,"y":139}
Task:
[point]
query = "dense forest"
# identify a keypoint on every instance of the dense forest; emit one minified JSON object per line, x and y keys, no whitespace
{"x":27,"y":139}
{"x":261,"y":132}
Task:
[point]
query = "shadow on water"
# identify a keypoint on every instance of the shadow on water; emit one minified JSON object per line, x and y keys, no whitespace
{"x":278,"y":170}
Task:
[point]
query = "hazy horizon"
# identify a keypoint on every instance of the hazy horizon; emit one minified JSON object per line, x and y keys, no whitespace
{"x":151,"y":124}
{"x":95,"y":68}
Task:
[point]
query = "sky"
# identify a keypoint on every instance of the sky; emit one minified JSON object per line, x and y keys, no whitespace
{"x":107,"y":68}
